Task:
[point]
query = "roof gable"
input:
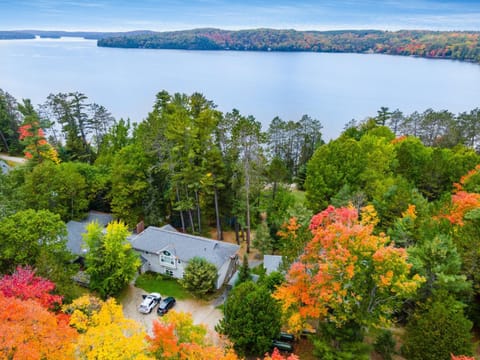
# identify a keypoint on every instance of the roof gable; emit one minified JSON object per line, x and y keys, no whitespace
{"x":75,"y":230}
{"x":185,"y":246}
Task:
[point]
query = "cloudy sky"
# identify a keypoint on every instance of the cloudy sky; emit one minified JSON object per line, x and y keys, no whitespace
{"x":121,"y":15}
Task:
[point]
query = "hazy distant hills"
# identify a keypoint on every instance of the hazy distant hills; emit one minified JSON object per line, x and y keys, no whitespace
{"x":458,"y":45}
{"x":92,"y":35}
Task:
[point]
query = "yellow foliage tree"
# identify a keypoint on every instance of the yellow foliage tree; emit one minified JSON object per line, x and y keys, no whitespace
{"x":105,"y":333}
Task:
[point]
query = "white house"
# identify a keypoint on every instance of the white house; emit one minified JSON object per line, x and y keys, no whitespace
{"x":166,"y":251}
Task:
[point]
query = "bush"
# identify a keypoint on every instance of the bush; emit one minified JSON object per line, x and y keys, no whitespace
{"x":344,"y":343}
{"x":385,"y":345}
{"x":251,"y":319}
{"x":200,"y":277}
{"x":437,"y":330}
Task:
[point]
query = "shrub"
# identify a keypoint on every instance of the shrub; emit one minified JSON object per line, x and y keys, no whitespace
{"x":437,"y":330}
{"x":385,"y":345}
{"x":200,"y":276}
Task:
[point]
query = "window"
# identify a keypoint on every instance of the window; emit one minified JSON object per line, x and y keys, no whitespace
{"x":167,"y":258}
{"x":169,"y":272}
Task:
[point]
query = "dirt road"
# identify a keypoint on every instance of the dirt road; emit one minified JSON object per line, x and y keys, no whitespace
{"x":202,"y":313}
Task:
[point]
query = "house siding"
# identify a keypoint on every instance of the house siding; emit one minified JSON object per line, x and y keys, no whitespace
{"x":154,"y":264}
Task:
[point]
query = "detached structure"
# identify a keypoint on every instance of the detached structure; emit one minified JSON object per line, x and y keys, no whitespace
{"x":166,"y":251}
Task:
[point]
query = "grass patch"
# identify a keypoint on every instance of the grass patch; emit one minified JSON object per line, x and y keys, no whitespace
{"x":166,"y":286}
{"x":299,"y":196}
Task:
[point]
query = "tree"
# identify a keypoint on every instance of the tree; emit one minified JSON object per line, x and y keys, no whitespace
{"x":58,"y":188}
{"x":104,"y":331}
{"x":347,"y":276}
{"x":251,"y":319}
{"x":437,"y":330}
{"x":175,"y":337}
{"x":246,"y":141}
{"x":29,"y":331}
{"x":199,"y":276}
{"x":244,"y":271}
{"x":129,"y":184}
{"x":33,"y":138}
{"x":27,"y":234}
{"x":23,"y":284}
{"x":437,"y":260}
{"x":111,"y":262}
{"x":262,"y":240}
{"x":9,"y":123}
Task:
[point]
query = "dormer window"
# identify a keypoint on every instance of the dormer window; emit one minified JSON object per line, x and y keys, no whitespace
{"x":167,"y":258}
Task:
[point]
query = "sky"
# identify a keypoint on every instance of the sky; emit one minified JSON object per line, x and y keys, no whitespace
{"x":125,"y":15}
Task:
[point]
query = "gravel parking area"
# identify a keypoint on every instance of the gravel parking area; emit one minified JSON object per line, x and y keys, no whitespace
{"x":202,"y":313}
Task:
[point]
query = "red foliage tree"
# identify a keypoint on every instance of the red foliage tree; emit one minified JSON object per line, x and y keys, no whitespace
{"x":23,"y":284}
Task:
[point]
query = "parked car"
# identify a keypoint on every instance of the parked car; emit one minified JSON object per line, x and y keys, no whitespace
{"x":165,"y":305}
{"x":282,"y":346}
{"x":149,"y":302}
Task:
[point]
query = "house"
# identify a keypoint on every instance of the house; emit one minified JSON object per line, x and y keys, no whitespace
{"x":75,"y":230}
{"x":166,"y":251}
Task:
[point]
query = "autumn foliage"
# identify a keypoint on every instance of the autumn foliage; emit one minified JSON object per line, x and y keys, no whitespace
{"x":175,"y":337}
{"x":23,"y":284}
{"x":346,"y":273}
{"x":29,"y":331}
{"x":463,"y":201}
{"x":105,"y":332}
{"x":36,"y":145}
{"x":462,"y":357}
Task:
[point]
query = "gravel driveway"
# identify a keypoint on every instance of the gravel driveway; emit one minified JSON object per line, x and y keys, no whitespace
{"x":202,"y":313}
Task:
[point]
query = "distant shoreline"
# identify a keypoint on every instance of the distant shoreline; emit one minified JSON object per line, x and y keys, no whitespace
{"x":449,"y":45}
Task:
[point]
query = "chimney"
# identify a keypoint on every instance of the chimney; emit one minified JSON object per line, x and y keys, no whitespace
{"x":140,"y":227}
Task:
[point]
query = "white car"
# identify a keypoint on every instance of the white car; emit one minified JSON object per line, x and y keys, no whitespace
{"x":149,"y":302}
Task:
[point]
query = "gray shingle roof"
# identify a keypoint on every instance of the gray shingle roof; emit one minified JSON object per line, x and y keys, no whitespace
{"x":75,"y":229}
{"x":185,"y":246}
{"x":4,"y":168}
{"x":271,"y":263}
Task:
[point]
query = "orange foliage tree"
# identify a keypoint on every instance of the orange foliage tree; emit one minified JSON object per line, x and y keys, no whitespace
{"x":463,"y":201}
{"x":33,"y":138}
{"x":346,"y":274}
{"x":175,"y":337}
{"x":29,"y":331}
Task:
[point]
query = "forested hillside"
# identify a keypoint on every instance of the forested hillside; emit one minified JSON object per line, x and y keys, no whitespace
{"x":378,"y":229}
{"x":463,"y":46}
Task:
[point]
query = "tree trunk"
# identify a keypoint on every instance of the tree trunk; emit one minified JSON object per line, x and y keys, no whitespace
{"x":237,"y":235}
{"x":4,"y":142}
{"x":217,"y":215}
{"x":198,"y":212}
{"x":181,"y":214}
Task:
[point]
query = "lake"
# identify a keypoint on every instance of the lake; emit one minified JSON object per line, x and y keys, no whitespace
{"x":333,"y":88}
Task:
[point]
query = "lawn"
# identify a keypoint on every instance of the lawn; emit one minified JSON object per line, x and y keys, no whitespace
{"x":166,"y":286}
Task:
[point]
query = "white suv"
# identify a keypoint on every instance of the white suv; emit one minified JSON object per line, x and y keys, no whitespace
{"x":149,"y":302}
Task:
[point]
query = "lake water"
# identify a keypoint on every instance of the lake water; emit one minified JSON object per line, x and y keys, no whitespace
{"x":333,"y":88}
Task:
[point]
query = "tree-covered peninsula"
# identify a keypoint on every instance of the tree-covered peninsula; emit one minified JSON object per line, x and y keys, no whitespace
{"x":456,"y":45}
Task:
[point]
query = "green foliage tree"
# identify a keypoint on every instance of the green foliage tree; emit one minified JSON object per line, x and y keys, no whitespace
{"x":251,"y":319}
{"x":262,"y":240}
{"x":199,"y":276}
{"x":9,"y":123}
{"x":58,"y":188}
{"x":436,"y":330}
{"x":29,"y":237}
{"x":111,"y":262}
{"x":129,"y":184}
{"x":437,"y":260}
{"x":244,"y":272}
